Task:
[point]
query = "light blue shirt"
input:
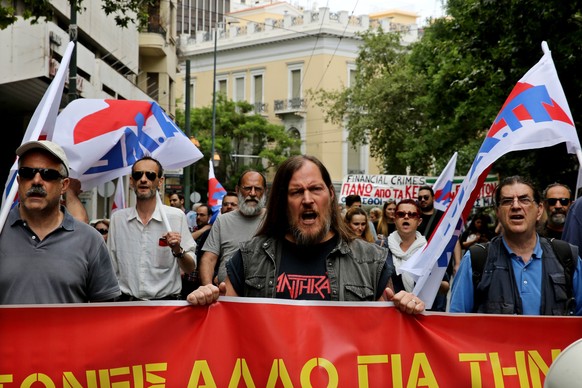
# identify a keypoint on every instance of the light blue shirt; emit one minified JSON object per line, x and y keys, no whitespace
{"x":528,"y":277}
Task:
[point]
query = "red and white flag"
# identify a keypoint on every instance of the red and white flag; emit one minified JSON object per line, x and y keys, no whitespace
{"x":215,"y":192}
{"x":119,"y":198}
{"x":535,"y":115}
{"x":104,"y":138}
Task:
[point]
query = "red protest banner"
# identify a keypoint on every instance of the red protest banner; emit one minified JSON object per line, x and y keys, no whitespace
{"x":265,"y":343}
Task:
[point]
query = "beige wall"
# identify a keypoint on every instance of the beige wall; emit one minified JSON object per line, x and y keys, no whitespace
{"x":325,"y":65}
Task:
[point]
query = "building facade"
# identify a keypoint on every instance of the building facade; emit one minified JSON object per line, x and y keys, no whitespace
{"x":274,"y":55}
{"x":111,"y":63}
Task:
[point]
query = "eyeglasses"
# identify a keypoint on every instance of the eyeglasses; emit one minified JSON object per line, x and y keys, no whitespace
{"x":523,"y":200}
{"x":423,"y":197}
{"x":248,"y":189}
{"x":103,"y":231}
{"x":553,"y":201}
{"x":401,"y":214}
{"x":151,"y":175}
{"x":47,"y":174}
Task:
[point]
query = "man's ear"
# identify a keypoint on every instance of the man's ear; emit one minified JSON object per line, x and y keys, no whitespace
{"x":66,"y":183}
{"x":331,"y":192}
{"x":161,"y":183}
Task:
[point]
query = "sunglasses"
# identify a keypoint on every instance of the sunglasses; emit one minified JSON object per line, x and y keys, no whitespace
{"x":103,"y":231}
{"x":401,"y":214}
{"x":151,"y":175}
{"x":423,"y":197}
{"x":47,"y":174}
{"x":553,"y":201}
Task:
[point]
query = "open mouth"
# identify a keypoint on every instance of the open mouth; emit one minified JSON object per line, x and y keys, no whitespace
{"x":517,"y":217}
{"x":308,"y":216}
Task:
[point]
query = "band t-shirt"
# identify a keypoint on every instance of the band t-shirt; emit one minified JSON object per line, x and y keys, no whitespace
{"x":302,"y":273}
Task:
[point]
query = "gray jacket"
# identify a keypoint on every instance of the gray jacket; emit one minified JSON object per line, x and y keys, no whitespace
{"x":353,"y":268}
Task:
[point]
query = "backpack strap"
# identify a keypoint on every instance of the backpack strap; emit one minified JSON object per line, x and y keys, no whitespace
{"x":567,"y":254}
{"x":478,"y":258}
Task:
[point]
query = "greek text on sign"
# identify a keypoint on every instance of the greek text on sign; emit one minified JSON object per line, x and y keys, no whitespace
{"x":377,"y":189}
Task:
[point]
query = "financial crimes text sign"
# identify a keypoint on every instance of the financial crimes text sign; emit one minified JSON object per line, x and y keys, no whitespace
{"x":377,"y":189}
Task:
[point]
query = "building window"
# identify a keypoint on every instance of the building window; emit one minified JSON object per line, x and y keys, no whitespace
{"x":295,"y":89}
{"x":295,"y":83}
{"x":192,"y":93}
{"x":258,"y":88}
{"x":239,"y":88}
{"x":153,"y":85}
{"x":257,"y":93}
{"x":294,"y":133}
{"x":351,"y":77}
{"x":222,"y":85}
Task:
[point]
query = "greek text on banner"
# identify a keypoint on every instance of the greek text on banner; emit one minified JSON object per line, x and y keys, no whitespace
{"x":265,"y":343}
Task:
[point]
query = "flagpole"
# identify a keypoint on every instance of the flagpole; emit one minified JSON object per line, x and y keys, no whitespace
{"x":162,"y":212}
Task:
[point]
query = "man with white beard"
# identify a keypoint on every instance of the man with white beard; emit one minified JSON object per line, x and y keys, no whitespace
{"x":556,"y":205}
{"x":234,"y":227}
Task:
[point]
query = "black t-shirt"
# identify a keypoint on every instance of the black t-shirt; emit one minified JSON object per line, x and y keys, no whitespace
{"x":301,"y":274}
{"x":430,"y":222}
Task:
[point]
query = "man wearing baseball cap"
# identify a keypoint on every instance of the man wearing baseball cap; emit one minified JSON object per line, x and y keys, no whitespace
{"x":46,"y":256}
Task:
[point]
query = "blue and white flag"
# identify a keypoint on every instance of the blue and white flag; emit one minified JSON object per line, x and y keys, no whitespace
{"x":443,"y":187}
{"x":535,"y":115}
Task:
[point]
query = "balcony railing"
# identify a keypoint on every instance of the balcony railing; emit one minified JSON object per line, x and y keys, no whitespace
{"x":291,"y":105}
{"x":260,"y":108}
{"x":157,"y":29}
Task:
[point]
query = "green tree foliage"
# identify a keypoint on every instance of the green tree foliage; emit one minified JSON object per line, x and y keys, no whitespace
{"x":238,"y":131}
{"x":124,"y":11}
{"x":417,"y":105}
{"x":379,"y":109}
{"x":474,"y":58}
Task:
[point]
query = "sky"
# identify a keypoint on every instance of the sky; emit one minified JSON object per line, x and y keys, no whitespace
{"x":426,"y":8}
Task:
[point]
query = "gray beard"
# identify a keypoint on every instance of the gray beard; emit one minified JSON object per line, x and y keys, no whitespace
{"x":248,"y":210}
{"x":142,"y":196}
{"x":558,"y":219}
